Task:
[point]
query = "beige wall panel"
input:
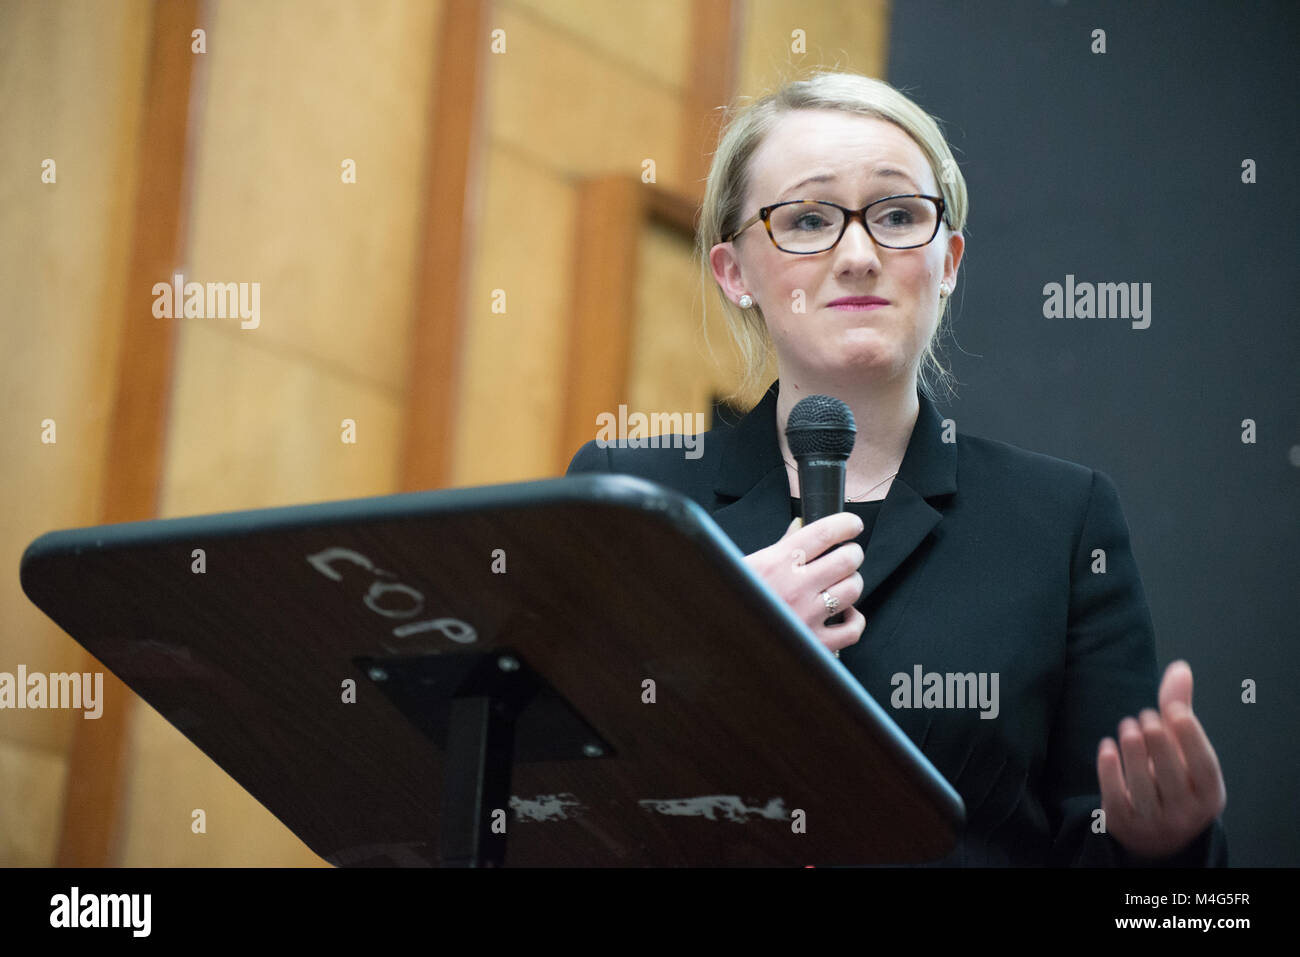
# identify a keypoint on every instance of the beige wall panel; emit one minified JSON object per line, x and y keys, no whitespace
{"x":167,"y":779}
{"x":511,"y":388}
{"x":293,"y":89}
{"x":674,"y":367}
{"x":671,"y":369}
{"x":251,"y":428}
{"x":849,"y":35}
{"x":31,"y":801}
{"x":256,"y":414}
{"x":558,"y":98}
{"x":646,"y":36}
{"x":71,"y":81}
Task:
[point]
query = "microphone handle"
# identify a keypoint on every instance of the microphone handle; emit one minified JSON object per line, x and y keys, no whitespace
{"x":821,"y":493}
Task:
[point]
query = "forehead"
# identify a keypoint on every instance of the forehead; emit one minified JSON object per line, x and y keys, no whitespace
{"x":848,"y":145}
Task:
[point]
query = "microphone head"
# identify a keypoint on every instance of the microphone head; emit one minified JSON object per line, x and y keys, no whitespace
{"x":821,"y":425}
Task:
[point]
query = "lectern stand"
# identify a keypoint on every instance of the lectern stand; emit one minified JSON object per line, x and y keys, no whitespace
{"x":575,"y":672}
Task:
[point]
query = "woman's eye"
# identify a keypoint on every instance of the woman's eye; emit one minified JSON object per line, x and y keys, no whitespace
{"x":895,"y":217}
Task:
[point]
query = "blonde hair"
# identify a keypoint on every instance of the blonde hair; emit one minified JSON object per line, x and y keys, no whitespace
{"x":744,"y":129}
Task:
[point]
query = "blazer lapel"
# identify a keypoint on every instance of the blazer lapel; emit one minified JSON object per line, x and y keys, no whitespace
{"x":752,"y":473}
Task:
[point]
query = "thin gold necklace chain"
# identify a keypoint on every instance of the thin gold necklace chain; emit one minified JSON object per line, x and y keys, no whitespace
{"x":849,"y":498}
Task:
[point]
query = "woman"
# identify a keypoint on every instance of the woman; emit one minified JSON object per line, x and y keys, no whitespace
{"x":832,"y":221}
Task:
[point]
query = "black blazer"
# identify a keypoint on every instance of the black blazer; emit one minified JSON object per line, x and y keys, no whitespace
{"x":981,"y":560}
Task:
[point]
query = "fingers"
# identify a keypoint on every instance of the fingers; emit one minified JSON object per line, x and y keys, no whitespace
{"x":821,"y":572}
{"x":834,"y":573}
{"x":809,"y":561}
{"x":825,"y":533}
{"x":847,"y":590}
{"x":1137,"y":773}
{"x":1198,"y":755}
{"x":836,"y":568}
{"x":1166,"y":761}
{"x":839,"y":637}
{"x":1176,"y":685}
{"x":1110,"y":774}
{"x":800,"y":546}
{"x":1170,"y":784}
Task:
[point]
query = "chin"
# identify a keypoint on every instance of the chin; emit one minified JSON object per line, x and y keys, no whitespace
{"x":858,"y":351}
{"x":858,"y":364}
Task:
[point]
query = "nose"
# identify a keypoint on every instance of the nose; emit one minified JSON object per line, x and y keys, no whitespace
{"x":856,"y":245}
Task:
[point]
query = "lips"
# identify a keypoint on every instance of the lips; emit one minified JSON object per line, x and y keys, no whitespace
{"x":860,"y":301}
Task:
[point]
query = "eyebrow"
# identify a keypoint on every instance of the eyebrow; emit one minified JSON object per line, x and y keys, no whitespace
{"x":883,"y":172}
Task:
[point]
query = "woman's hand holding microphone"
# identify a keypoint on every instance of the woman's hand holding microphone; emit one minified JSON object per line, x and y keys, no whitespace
{"x":799,"y":570}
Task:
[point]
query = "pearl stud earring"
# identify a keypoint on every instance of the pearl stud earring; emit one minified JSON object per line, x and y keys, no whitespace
{"x":746,"y":301}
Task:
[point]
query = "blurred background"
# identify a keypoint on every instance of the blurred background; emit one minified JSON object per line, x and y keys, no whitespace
{"x":471,"y":226}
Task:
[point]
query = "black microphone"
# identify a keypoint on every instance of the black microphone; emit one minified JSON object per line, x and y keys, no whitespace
{"x":821,"y":433}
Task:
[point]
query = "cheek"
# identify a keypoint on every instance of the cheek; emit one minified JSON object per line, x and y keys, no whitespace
{"x":927,"y":274}
{"x":796,"y":288}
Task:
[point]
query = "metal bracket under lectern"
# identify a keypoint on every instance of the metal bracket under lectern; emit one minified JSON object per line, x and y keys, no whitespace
{"x":485,"y":710}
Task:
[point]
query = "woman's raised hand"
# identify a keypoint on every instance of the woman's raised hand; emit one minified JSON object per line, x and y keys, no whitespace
{"x":1169,"y":787}
{"x":799,"y":569}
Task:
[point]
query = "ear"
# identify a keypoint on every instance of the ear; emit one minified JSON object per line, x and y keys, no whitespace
{"x":727,"y":271}
{"x":956,"y":246}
